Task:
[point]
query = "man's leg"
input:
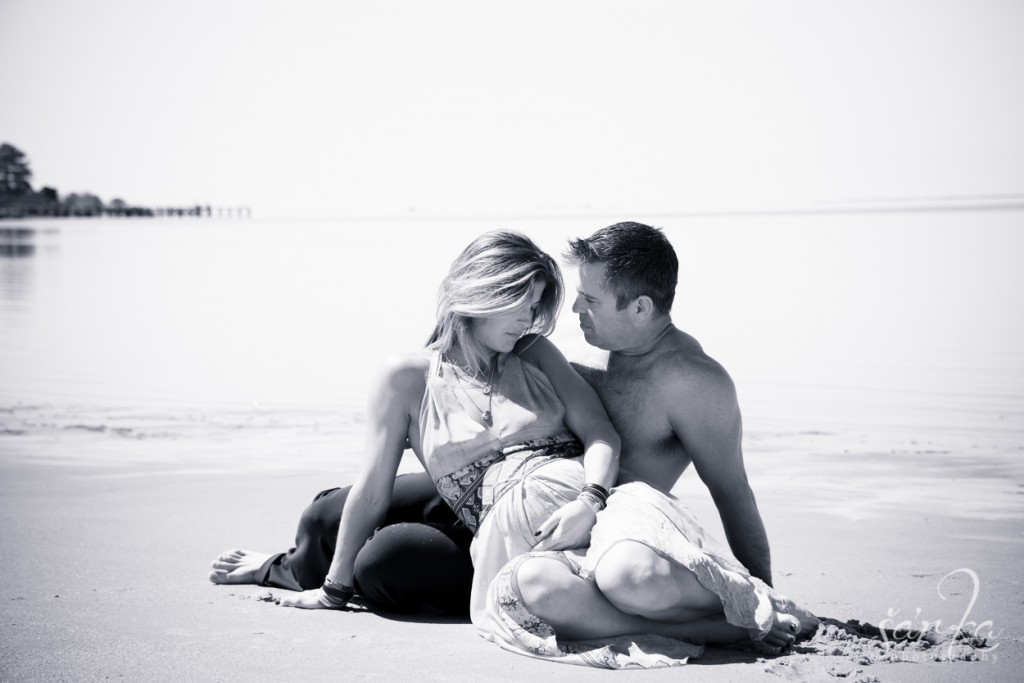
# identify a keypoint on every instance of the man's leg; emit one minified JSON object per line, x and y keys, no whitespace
{"x":415,"y":499}
{"x":291,"y":570}
{"x":408,"y":567}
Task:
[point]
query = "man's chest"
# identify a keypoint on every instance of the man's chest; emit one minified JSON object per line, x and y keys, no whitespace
{"x":633,"y":405}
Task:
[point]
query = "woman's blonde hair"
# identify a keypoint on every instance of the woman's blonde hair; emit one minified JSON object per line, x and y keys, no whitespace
{"x":493,"y":275}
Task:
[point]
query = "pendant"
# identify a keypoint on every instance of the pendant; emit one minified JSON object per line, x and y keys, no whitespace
{"x":487,"y":417}
{"x":487,"y":390}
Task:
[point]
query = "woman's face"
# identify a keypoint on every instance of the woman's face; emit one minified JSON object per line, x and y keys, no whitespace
{"x":499,"y":333}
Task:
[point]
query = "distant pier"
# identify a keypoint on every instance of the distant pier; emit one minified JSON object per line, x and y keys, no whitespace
{"x":55,"y":210}
{"x":200,"y":211}
{"x":197,"y":211}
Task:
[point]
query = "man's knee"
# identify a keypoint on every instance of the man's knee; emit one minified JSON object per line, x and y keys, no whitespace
{"x":635,"y":579}
{"x":385,"y":549}
{"x":322,"y":517}
{"x":406,"y":567}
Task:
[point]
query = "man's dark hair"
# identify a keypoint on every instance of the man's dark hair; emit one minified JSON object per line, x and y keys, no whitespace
{"x":638,"y":261}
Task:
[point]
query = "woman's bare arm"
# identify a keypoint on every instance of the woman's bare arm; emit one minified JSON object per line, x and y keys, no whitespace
{"x":394,"y":402}
{"x":585,"y":415}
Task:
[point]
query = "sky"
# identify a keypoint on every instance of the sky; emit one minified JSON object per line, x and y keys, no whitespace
{"x":406,"y":108}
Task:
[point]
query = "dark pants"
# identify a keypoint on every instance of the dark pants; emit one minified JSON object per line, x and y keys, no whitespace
{"x":418,"y":559}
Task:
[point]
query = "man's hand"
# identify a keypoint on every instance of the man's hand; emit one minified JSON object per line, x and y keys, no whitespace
{"x":568,"y":527}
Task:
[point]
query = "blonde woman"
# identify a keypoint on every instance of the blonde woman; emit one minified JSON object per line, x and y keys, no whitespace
{"x":508,"y":431}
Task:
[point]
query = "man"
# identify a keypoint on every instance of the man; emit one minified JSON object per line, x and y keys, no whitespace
{"x":671,"y":403}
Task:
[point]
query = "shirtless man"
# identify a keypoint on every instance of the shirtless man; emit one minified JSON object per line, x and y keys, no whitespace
{"x":671,"y":403}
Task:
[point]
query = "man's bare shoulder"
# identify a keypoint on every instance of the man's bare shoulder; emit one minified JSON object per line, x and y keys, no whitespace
{"x":682,"y":368}
{"x":585,"y":356}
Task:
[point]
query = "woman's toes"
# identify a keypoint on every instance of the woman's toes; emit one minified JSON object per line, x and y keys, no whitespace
{"x":788,"y":623}
{"x":783,"y":631}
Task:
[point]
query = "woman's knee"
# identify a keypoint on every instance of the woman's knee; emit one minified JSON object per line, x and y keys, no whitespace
{"x":634,"y":578}
{"x":547,"y":588}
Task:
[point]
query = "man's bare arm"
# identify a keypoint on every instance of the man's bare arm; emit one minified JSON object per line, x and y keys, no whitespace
{"x":705,"y":416}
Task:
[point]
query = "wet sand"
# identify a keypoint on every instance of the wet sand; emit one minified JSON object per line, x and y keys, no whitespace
{"x":106,"y":561}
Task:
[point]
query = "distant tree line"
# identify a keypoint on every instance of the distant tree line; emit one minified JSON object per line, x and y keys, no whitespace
{"x":18,"y":199}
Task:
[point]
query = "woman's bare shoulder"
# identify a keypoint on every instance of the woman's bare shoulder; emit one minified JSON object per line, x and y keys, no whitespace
{"x":405,"y":371}
{"x":534,"y":347}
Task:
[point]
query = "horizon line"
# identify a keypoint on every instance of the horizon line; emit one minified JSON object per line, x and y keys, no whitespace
{"x":939,"y":203}
{"x":868,"y":205}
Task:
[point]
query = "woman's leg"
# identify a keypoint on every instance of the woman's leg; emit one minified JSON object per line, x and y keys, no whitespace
{"x":577,"y":610}
{"x":639,"y":581}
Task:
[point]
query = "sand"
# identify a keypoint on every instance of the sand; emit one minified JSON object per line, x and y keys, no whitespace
{"x":107,"y":538}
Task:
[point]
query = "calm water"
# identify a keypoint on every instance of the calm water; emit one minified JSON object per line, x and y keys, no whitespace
{"x":272,"y":330}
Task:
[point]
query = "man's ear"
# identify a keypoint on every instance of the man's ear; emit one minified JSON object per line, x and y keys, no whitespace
{"x":643,"y":307}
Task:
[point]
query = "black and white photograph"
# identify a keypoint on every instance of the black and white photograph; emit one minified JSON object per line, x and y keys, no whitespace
{"x":447,"y":341}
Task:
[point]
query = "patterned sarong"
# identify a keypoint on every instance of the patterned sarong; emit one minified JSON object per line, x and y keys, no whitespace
{"x":471,"y":491}
{"x":518,"y":490}
{"x":635,"y":512}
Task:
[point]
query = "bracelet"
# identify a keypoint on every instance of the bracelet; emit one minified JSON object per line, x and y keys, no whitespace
{"x":591,"y":501}
{"x":335,"y":595}
{"x":598,"y":492}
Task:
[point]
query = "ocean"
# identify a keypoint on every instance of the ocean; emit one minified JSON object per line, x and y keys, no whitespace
{"x":194,"y":340}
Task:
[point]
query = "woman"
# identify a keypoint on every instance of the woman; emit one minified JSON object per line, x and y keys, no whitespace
{"x":489,"y":395}
{"x":518,"y":444}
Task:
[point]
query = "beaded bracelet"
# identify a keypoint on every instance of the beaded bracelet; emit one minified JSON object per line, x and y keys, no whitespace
{"x":335,"y":595}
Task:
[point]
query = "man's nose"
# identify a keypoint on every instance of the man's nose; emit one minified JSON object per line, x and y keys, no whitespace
{"x":577,"y":306}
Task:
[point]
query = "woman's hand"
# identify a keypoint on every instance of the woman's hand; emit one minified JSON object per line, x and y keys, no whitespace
{"x":568,"y":527}
{"x":306,"y":600}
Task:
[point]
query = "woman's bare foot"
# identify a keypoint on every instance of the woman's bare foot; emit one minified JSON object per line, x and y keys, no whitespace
{"x":808,"y":622}
{"x":780,"y":636}
{"x":237,"y":566}
{"x":783,"y":631}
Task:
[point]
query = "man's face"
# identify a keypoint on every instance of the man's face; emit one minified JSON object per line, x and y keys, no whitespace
{"x":603,"y":325}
